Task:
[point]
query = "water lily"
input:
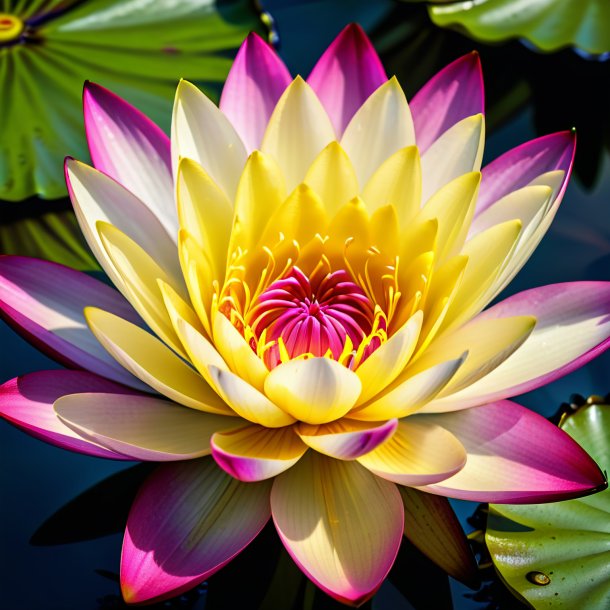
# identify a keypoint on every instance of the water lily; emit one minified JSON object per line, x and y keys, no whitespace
{"x":300,"y":320}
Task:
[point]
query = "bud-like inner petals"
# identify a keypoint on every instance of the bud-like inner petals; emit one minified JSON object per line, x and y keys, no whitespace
{"x":315,"y":315}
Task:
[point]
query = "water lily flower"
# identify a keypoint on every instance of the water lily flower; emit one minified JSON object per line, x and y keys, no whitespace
{"x":300,"y":322}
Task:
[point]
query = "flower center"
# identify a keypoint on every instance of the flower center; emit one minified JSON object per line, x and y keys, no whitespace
{"x":10,"y":27}
{"x":322,"y":315}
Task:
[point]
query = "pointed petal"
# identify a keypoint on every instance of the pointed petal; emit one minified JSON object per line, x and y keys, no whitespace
{"x":333,"y":178}
{"x":342,"y":540}
{"x":152,"y":362}
{"x":407,"y":395}
{"x":514,"y":456}
{"x":131,"y":149}
{"x":396,"y":182}
{"x":205,"y":212}
{"x":188,"y":520}
{"x":419,"y":453}
{"x":454,"y":93}
{"x":519,"y":166}
{"x":257,"y":79}
{"x":27,"y":402}
{"x":44,"y":302}
{"x":432,"y":526}
{"x":255,"y":453}
{"x":380,"y":127}
{"x":573,"y":327}
{"x":142,"y":427}
{"x":247,"y":401}
{"x":298,"y":130}
{"x":346,"y":74}
{"x":97,"y":197}
{"x":387,"y":362}
{"x":346,"y":439}
{"x":315,"y":390}
{"x":200,"y":131}
{"x":458,"y":151}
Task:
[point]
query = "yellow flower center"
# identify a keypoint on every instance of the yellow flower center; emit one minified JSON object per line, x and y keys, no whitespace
{"x":10,"y":27}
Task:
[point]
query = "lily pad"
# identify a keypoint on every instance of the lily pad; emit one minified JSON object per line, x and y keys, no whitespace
{"x":548,"y":24}
{"x":137,"y":48}
{"x":558,"y":555}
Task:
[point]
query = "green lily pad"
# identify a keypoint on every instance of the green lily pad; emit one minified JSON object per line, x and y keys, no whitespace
{"x":558,"y":555}
{"x":137,"y":48}
{"x":548,"y":24}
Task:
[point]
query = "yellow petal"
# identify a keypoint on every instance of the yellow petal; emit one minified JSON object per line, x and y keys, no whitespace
{"x":205,"y":212}
{"x":152,"y":362}
{"x":346,"y":439}
{"x":298,"y":130}
{"x":389,"y":359}
{"x":315,"y":390}
{"x":380,"y":127}
{"x":236,"y":352}
{"x":385,"y":232}
{"x":458,"y":151}
{"x":260,"y":192}
{"x":333,"y":178}
{"x":254,"y":453}
{"x":397,"y":182}
{"x":418,"y":454}
{"x":139,"y":274}
{"x":247,"y":401}
{"x":178,"y":308}
{"x":200,"y":131}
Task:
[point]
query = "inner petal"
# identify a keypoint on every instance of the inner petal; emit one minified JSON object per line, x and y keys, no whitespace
{"x":318,"y":315}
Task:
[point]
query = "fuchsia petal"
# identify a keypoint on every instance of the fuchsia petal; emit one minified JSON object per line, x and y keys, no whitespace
{"x":255,"y":83}
{"x":519,"y":166}
{"x":573,"y":327}
{"x":44,"y":302}
{"x":27,"y":402}
{"x":346,"y":74}
{"x":515,"y":456}
{"x":129,"y":147}
{"x":453,"y":94}
{"x":188,"y":520}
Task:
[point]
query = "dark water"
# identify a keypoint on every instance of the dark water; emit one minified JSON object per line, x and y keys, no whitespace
{"x":36,"y":479}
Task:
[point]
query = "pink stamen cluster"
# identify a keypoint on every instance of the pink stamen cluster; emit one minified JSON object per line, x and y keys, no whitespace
{"x":311,"y":315}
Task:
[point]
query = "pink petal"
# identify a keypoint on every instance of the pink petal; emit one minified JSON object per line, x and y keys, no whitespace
{"x":188,"y":520}
{"x":453,"y":94}
{"x":27,"y":402}
{"x":573,"y":327}
{"x":44,"y":302}
{"x":255,"y":83}
{"x":515,"y":456}
{"x":346,"y":74}
{"x":129,"y":147}
{"x":519,"y":166}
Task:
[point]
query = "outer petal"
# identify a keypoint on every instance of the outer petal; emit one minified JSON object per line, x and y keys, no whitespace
{"x":340,"y":524}
{"x":200,"y":131}
{"x":419,"y":453}
{"x":519,"y":166}
{"x":298,"y":130}
{"x":153,"y":362}
{"x":255,"y":83}
{"x":453,"y":94}
{"x":188,"y":520}
{"x":255,"y":453}
{"x":27,"y":402}
{"x":142,"y":427}
{"x":347,"y":439}
{"x":573,"y":327}
{"x":514,"y":456}
{"x":130,"y":148}
{"x":44,"y":301}
{"x":346,"y":74}
{"x":380,"y":127}
{"x":315,"y":390}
